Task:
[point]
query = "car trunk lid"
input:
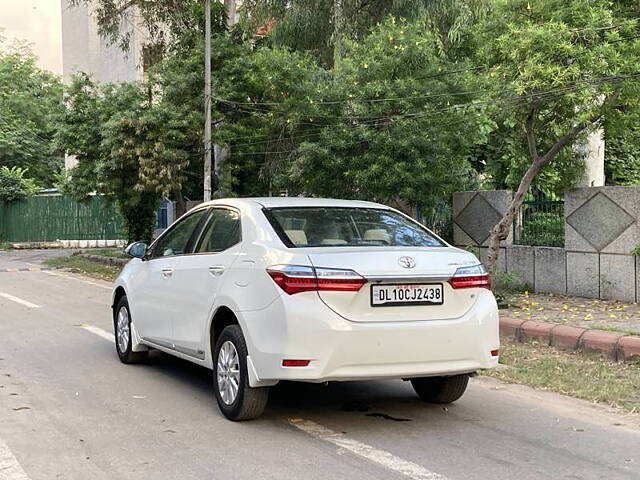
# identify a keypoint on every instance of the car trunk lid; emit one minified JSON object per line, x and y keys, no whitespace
{"x":396,"y":266}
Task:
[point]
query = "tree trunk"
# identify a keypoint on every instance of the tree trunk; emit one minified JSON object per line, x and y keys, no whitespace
{"x":181,"y":204}
{"x":501,"y":231}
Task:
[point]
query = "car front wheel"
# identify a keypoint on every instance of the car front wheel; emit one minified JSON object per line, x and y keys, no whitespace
{"x":236,"y":399}
{"x":440,"y":389}
{"x":122,"y":332}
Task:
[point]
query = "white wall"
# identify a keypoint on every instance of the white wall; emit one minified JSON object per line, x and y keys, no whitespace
{"x":84,"y":50}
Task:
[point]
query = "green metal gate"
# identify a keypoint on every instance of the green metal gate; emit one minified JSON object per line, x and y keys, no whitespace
{"x":50,"y":218}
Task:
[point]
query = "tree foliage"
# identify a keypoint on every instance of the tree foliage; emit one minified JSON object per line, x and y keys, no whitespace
{"x":557,"y":67}
{"x":108,"y":130}
{"x":14,"y":185}
{"x":424,"y":98}
{"x":386,"y":116}
{"x":317,"y":25}
{"x":30,"y":101}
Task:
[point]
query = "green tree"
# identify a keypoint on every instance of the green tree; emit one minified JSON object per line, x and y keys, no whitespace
{"x":111,"y":132}
{"x":556,"y":68}
{"x":385,"y":117}
{"x":30,"y":101}
{"x":319,"y":25}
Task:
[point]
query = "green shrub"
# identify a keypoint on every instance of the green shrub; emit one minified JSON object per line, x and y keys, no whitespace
{"x":14,"y":185}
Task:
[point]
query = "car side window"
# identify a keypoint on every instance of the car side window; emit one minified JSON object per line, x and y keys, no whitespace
{"x":221,"y":232}
{"x":176,"y":240}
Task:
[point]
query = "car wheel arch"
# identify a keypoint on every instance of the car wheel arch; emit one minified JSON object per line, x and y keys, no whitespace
{"x":222,"y":318}
{"x":117,"y":295}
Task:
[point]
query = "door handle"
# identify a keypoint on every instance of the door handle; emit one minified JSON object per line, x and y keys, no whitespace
{"x":167,"y":272}
{"x":216,"y":271}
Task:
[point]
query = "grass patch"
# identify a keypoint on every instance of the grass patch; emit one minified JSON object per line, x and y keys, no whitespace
{"x":5,"y":246}
{"x":615,"y":329}
{"x":587,"y":376}
{"x":85,"y":266}
{"x":107,"y":252}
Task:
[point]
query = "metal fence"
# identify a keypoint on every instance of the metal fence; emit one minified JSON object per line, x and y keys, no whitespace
{"x":540,"y":223}
{"x":50,"y":218}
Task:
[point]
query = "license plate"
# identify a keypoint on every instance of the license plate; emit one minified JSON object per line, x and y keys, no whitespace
{"x":415,"y":294}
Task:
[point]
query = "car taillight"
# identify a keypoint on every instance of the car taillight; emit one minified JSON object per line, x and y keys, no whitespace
{"x":295,"y":279}
{"x":471,"y":277}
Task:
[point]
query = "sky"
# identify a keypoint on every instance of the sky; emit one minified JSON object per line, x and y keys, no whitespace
{"x":39,"y":23}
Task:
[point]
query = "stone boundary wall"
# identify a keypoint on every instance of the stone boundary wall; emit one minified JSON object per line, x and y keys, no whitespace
{"x":602,"y":228}
{"x":606,"y":276}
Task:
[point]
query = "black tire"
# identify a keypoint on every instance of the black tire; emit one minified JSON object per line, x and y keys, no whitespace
{"x":126,"y":355}
{"x":440,"y":389}
{"x":249,"y":403}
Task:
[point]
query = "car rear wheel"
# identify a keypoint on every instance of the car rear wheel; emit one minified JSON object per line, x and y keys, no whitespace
{"x":122,"y":333}
{"x":440,"y":389}
{"x":236,"y":399}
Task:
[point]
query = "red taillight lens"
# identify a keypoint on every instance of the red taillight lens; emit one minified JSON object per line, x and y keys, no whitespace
{"x":475,"y":281}
{"x":495,"y":353}
{"x":295,"y":279}
{"x":293,"y":284}
{"x":295,"y":363}
{"x":474,"y":276}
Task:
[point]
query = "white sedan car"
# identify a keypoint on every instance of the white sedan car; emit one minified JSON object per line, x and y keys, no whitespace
{"x":267,"y":289}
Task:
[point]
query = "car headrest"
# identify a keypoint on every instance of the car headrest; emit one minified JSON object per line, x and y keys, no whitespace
{"x":334,"y":241}
{"x":378,"y":235}
{"x":298,"y":237}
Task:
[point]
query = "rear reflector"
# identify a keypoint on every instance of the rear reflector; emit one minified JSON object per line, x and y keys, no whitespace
{"x":298,"y":278}
{"x":295,"y":363}
{"x":495,"y":353}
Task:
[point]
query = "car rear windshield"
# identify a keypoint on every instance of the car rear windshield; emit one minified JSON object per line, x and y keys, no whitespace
{"x":347,"y":227}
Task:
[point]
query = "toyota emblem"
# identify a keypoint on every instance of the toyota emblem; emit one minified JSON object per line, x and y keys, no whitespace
{"x":407,"y":262}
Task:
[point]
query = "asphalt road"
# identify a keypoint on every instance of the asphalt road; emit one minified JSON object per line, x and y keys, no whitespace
{"x":70,"y":410}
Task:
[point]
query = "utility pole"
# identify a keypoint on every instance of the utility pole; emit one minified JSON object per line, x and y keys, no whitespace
{"x":207,"y":102}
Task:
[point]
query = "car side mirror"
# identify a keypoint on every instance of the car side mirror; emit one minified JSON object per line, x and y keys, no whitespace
{"x":136,"y":250}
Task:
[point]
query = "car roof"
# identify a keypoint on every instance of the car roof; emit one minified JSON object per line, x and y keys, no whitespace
{"x":274,"y":202}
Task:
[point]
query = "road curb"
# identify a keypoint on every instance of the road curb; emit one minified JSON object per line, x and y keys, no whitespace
{"x":618,"y":346}
{"x":113,"y":261}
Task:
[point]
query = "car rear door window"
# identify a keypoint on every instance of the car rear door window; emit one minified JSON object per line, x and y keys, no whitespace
{"x":221,"y":232}
{"x":176,"y":240}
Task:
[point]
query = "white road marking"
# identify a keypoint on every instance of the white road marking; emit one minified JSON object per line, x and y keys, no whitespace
{"x":95,"y":284}
{"x":18,"y":300}
{"x":381,"y":457}
{"x":99,"y":332}
{"x":10,"y":469}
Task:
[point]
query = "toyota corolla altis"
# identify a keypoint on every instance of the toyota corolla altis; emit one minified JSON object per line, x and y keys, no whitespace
{"x":267,"y":289}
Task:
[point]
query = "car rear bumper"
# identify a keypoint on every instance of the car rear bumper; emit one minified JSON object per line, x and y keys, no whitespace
{"x":339,"y":349}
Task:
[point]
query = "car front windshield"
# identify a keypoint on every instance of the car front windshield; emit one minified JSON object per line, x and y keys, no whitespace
{"x":348,"y":227}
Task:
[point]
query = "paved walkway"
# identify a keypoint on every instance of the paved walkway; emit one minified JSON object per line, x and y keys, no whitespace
{"x":610,"y":315}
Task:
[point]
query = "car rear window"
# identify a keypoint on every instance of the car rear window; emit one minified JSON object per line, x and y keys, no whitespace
{"x":348,"y":227}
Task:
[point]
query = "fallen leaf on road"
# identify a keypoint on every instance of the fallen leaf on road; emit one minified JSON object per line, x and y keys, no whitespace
{"x":17,"y":409}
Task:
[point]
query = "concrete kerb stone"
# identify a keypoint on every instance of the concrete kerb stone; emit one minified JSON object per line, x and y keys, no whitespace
{"x":511,"y":327}
{"x":629,"y":347}
{"x":105,"y":260}
{"x":615,"y":345}
{"x":540,"y":331}
{"x":601,"y":341}
{"x":565,"y":336}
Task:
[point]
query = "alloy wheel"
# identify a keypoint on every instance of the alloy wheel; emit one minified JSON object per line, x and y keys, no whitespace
{"x":123,"y":330}
{"x":228,"y":372}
